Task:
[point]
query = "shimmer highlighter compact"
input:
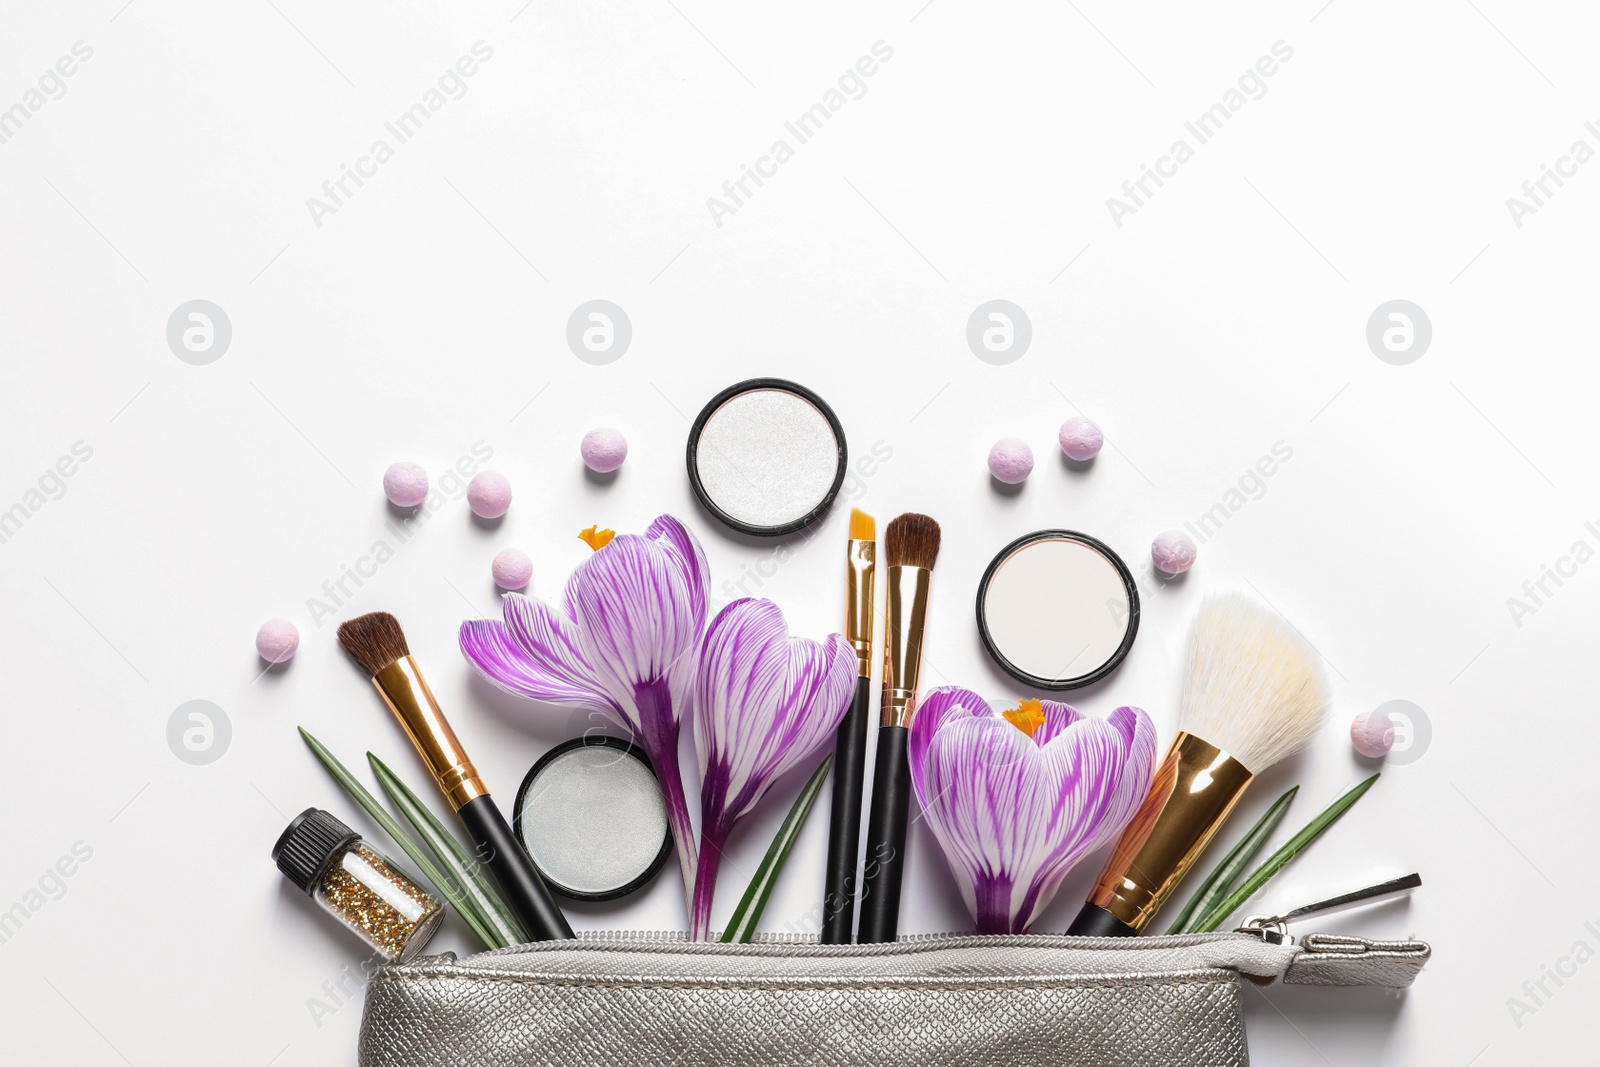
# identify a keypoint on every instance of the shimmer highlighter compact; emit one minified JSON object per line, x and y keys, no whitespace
{"x":591,"y":817}
{"x":767,"y":457}
{"x":1057,"y":609}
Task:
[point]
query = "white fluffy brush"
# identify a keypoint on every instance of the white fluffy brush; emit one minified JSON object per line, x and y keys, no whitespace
{"x":1255,"y":689}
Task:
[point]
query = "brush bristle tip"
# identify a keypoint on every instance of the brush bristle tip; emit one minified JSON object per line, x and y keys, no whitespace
{"x":911,"y":540}
{"x":374,"y":640}
{"x":863,"y":527}
{"x":1255,"y":687}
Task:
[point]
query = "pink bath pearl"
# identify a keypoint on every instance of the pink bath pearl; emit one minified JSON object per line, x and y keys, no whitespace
{"x":405,"y":484}
{"x":1080,"y":439}
{"x":1010,"y":460}
{"x":277,"y":640}
{"x":489,"y":495}
{"x":1173,"y":552}
{"x":603,"y":450}
{"x":1372,"y":734}
{"x":512,"y":569}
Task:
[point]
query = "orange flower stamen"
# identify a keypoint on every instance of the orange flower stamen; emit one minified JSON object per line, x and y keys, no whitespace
{"x":1027,"y":716}
{"x":596,"y":538}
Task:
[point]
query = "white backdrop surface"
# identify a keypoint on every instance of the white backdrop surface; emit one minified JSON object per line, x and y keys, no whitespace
{"x":1425,"y":524}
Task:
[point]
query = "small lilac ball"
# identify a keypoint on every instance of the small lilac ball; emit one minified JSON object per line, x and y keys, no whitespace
{"x":1173,"y":552}
{"x":405,"y":484}
{"x":489,"y":495}
{"x":512,"y":569}
{"x":1010,"y":460}
{"x":1372,"y":734}
{"x":277,"y":640}
{"x":603,"y":450}
{"x":1080,"y":438}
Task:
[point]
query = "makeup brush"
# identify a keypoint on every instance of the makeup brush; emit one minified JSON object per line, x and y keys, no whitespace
{"x":1254,"y":695}
{"x":377,"y":643}
{"x":911,"y":545}
{"x":850,"y":748}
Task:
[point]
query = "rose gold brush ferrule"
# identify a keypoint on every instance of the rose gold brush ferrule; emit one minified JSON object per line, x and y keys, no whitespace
{"x":861,"y":558}
{"x":408,"y":696}
{"x":1196,"y":787}
{"x":905,"y":617}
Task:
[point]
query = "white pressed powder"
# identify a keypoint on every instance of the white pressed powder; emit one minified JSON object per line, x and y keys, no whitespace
{"x":767,"y":457}
{"x":1057,"y":609}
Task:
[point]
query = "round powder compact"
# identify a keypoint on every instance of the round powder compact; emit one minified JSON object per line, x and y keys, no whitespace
{"x":766,"y":456}
{"x":590,"y":816}
{"x":1057,"y":609}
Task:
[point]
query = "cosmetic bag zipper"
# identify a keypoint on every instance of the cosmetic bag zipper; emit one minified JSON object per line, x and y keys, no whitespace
{"x":1261,"y":949}
{"x":1333,"y":959}
{"x":1274,"y":929}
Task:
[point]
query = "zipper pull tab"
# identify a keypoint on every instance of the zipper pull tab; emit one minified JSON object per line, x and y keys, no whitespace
{"x":1274,"y":929}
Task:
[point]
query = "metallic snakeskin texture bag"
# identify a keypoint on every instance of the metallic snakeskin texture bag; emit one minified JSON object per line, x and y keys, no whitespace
{"x":620,"y":1000}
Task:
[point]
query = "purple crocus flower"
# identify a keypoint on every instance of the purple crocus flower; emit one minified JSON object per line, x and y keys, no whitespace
{"x":623,"y":643}
{"x":1016,"y":798}
{"x":763,"y":702}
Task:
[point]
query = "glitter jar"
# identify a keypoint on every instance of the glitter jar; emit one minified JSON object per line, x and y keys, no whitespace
{"x":357,"y":885}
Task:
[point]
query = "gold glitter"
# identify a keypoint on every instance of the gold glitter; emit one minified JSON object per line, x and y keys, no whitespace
{"x":363,"y":892}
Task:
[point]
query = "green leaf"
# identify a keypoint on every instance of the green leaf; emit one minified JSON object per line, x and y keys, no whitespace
{"x":1222,"y":877}
{"x":391,"y":827}
{"x":469,"y":873}
{"x":1296,"y":845}
{"x":748,"y":914}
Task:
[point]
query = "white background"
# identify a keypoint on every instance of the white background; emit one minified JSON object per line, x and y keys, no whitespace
{"x":428,"y":313}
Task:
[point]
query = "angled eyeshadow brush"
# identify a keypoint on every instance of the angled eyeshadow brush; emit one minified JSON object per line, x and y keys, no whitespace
{"x":850,"y":749}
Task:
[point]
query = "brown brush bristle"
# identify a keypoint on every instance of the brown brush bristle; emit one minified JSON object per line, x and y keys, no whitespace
{"x":911,"y":540}
{"x":863,"y":527}
{"x":374,"y":640}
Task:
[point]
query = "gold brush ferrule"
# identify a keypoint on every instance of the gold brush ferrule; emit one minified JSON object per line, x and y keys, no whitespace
{"x":1196,"y":787}
{"x":862,"y":564}
{"x":408,"y":696}
{"x":905,"y":619}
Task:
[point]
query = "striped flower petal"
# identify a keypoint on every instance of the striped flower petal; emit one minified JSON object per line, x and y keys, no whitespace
{"x":1014,"y":810}
{"x":763,"y":702}
{"x":534,"y":654}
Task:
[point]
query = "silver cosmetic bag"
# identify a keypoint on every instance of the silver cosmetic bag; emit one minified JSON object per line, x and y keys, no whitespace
{"x":658,"y":1000}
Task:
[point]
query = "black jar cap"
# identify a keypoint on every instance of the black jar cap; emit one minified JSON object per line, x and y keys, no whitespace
{"x":310,"y":843}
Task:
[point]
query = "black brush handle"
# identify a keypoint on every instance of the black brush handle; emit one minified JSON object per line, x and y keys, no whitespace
{"x":886,"y":838}
{"x":1095,"y":921}
{"x":844,"y":826}
{"x":524,"y":890}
